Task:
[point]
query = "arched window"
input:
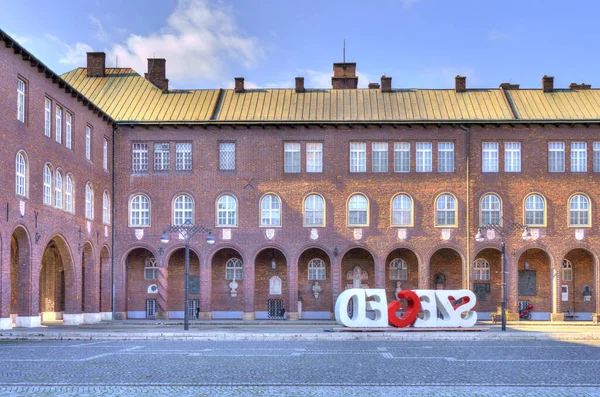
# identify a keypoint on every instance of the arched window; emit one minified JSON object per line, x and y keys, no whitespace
{"x":47,"y":184}
{"x":402,"y":211}
{"x":316,"y":269}
{"x":105,"y":208}
{"x":89,"y":201}
{"x":490,"y":210}
{"x":69,"y":194}
{"x":270,"y":211}
{"x":234,"y":269}
{"x":398,"y":269}
{"x":481,"y":270}
{"x":139,"y":213}
{"x":567,"y":270}
{"x":21,"y":175}
{"x":535,"y":211}
{"x":314,"y":210}
{"x":358,"y":207}
{"x":183,"y":209}
{"x":227,"y":211}
{"x":58,"y":190}
{"x":579,"y":211}
{"x":446,"y":210}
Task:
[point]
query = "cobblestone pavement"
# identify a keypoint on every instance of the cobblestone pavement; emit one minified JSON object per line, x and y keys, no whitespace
{"x":274,"y":368}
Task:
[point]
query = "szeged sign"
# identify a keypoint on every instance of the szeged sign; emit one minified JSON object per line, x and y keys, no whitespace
{"x":370,"y":308}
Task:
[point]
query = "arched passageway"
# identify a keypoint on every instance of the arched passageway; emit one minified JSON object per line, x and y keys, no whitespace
{"x":486,"y":277}
{"x":534,"y":285}
{"x":227,"y":277}
{"x":176,"y":282}
{"x":401,"y":272}
{"x":143,"y":298}
{"x":271,"y":298}
{"x":445,"y":268}
{"x":315,"y":284}
{"x":578,"y":297}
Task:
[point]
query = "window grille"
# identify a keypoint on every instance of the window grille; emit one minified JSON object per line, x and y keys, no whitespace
{"x":401,"y":210}
{"x":579,"y":211}
{"x":193,"y":305}
{"x":162,"y":157}
{"x":398,"y":269}
{"x":556,"y":157}
{"x":401,"y":157}
{"x":183,"y":156}
{"x":446,"y":211}
{"x":150,"y":269}
{"x":490,"y":210}
{"x":316,"y":269}
{"x":489,"y":157}
{"x":227,"y":211}
{"x":567,"y":270}
{"x":358,"y":157}
{"x":314,"y":157}
{"x":291,"y":160}
{"x":270,"y":211}
{"x":481,"y":270}
{"x":578,"y":157}
{"x":48,"y":117}
{"x":445,"y":157}
{"x":512,"y":157}
{"x":314,"y":211}
{"x":380,"y":156}
{"x":139,"y":159}
{"x":234,"y":269}
{"x":151,"y":308}
{"x":357,"y":210}
{"x":424,"y":157}
{"x":227,"y":156}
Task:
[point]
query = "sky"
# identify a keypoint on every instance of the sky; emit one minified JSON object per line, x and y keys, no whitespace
{"x":419,"y":43}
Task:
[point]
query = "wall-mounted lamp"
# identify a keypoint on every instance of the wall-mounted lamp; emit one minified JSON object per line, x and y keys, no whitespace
{"x":161,"y":251}
{"x":37,"y":237}
{"x":335,"y":252}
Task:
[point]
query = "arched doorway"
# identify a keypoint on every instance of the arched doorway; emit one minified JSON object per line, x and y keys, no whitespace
{"x":58,"y":299}
{"x":105,"y":285}
{"x":358,"y":269}
{"x":20,"y":268}
{"x":176,"y":282}
{"x":143,"y":274}
{"x":314,"y":284}
{"x":445,"y":269}
{"x":578,"y":295}
{"x":401,"y":272}
{"x":534,"y":285}
{"x":227,"y":278}
{"x":271,"y":298}
{"x":486,"y":277}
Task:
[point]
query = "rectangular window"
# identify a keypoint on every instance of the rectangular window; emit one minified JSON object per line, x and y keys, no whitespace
{"x":358,"y":157}
{"x":48,"y":117}
{"x":88,"y":142}
{"x":445,"y":157}
{"x":512,"y":157}
{"x":162,"y":156}
{"x":139,"y":158}
{"x":380,"y":156}
{"x":489,"y":157}
{"x":596,"y":156}
{"x":21,"y":92}
{"x":183,"y":156}
{"x":58,"y":132}
{"x":291,"y":157}
{"x":105,"y":154}
{"x":556,"y":157}
{"x":424,"y":157}
{"x":68,"y":126}
{"x":314,"y":157}
{"x":578,"y":157}
{"x":227,"y":156}
{"x":401,"y":157}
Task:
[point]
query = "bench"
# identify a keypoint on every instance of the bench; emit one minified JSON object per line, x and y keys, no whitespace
{"x":570,"y":316}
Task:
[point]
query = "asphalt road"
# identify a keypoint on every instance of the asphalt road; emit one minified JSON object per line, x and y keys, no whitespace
{"x":275,"y":368}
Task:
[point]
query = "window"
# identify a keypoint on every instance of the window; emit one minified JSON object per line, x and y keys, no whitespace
{"x":402,"y":211}
{"x":556,"y":157}
{"x":21,"y":175}
{"x":291,"y":157}
{"x":48,"y":117}
{"x":579,"y":211}
{"x":314,"y":157}
{"x":314,"y":210}
{"x":88,"y":145}
{"x":58,"y":119}
{"x":316,"y":269}
{"x":424,"y":157}
{"x":139,"y":157}
{"x":270,"y":211}
{"x":89,"y":201}
{"x":512,"y":157}
{"x":578,"y":157}
{"x":535,"y":211}
{"x":105,"y":154}
{"x":358,"y":207}
{"x":47,"y":185}
{"x":401,"y":157}
{"x":489,"y":157}
{"x":183,"y":210}
{"x":227,"y":211}
{"x":358,"y":157}
{"x":398,"y":269}
{"x":21,"y":92}
{"x":140,"y":211}
{"x":234,"y":269}
{"x":481,"y":270}
{"x":380,"y":156}
{"x":105,"y":208}
{"x":490,"y":210}
{"x":226,"y":156}
{"x":596,"y":156}
{"x":69,"y":194}
{"x":150,"y":269}
{"x":183,"y":156}
{"x":567,"y":270}
{"x":58,"y":190}
{"x":445,"y":157}
{"x":446,"y":211}
{"x":162,"y":156}
{"x":68,"y":127}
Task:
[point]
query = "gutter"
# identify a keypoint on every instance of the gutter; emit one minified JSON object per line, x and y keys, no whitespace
{"x":112,"y":234}
{"x":467,"y":131}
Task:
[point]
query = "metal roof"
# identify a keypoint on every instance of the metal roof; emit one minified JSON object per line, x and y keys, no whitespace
{"x":560,"y":104}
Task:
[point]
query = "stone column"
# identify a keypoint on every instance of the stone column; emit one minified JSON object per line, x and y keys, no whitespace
{"x":162,"y":302}
{"x":379,"y":272}
{"x":249,"y":313}
{"x":205,"y":289}
{"x":292,"y":282}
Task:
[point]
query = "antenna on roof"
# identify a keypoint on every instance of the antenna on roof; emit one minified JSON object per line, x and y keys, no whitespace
{"x":344,"y":50}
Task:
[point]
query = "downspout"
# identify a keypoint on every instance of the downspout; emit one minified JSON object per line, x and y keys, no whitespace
{"x":467,"y":131}
{"x":112,"y":234}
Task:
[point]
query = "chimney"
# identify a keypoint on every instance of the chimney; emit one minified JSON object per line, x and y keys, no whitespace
{"x":239,"y":84}
{"x":344,"y":76}
{"x":157,"y":68}
{"x":509,"y":86}
{"x":460,"y":83}
{"x":548,"y":83}
{"x":374,"y":86}
{"x":582,"y":86}
{"x":299,"y":84}
{"x":96,"y":64}
{"x":386,"y":84}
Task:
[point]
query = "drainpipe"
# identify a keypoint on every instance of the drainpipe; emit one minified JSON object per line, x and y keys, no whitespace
{"x":112,"y":234}
{"x":467,"y":131}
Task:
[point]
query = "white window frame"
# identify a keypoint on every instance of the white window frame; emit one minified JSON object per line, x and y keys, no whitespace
{"x":88,"y":142}
{"x":556,"y":157}
{"x":481,"y":270}
{"x":445,"y":211}
{"x":358,"y":157}
{"x":105,"y":155}
{"x":314,"y":210}
{"x":21,"y":174}
{"x":401,"y":157}
{"x":68,"y":129}
{"x":234,"y":269}
{"x":314,"y":157}
{"x":227,"y":211}
{"x":47,"y":196}
{"x":379,"y":156}
{"x":226,"y":153}
{"x":567,"y":270}
{"x":139,"y":157}
{"x":150,"y":269}
{"x":270,"y":210}
{"x":58,"y":128}
{"x":21,"y":99}
{"x":48,"y":117}
{"x":489,"y":157}
{"x":183,"y":209}
{"x":162,"y":156}
{"x":89,"y":201}
{"x":183,"y":156}
{"x":291,"y":157}
{"x":69,"y":193}
{"x":139,"y":211}
{"x":317,"y":270}
{"x":445,"y":156}
{"x":578,"y":156}
{"x":490,"y":210}
{"x":402,"y":214}
{"x":424,"y":157}
{"x":398,"y":270}
{"x":533,"y":210}
{"x":512,"y":156}
{"x":579,"y":211}
{"x":58,"y":189}
{"x":105,"y":208}
{"x":596,"y":154}
{"x":358,"y":210}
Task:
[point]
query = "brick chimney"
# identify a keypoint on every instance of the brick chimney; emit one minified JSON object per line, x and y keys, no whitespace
{"x":374,"y":86}
{"x":344,"y":76}
{"x":460,"y":83}
{"x":299,"y":84}
{"x":239,"y":84}
{"x":509,"y":86}
{"x":548,"y":83}
{"x":157,"y":71}
{"x":582,"y":86}
{"x":386,"y":84}
{"x":96,"y":64}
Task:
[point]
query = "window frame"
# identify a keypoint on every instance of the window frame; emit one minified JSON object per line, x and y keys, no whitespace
{"x":578,"y":157}
{"x":314,"y":157}
{"x":313,"y":211}
{"x":401,"y":164}
{"x":319,"y":273}
{"x":482,"y":210}
{"x":289,"y":155}
{"x":89,"y":201}
{"x":512,"y":157}
{"x":184,"y":159}
{"x":162,"y":157}
{"x":140,"y":211}
{"x":224,"y":149}
{"x":448,"y":159}
{"x":424,"y":157}
{"x":481,"y":268}
{"x":58,"y":118}
{"x":22,"y":100}
{"x":69,"y":130}
{"x":566,"y":273}
{"x":226,"y":211}
{"x":105,"y":208}
{"x":551,"y":164}
{"x":446,"y":210}
{"x":270,"y":210}
{"x":105,"y":154}
{"x":47,"y":184}
{"x":411,"y":211}
{"x":489,"y":162}
{"x":544,"y":210}
{"x":358,"y":157}
{"x":596,"y":156}
{"x":69,"y":187}
{"x":231,"y":269}
{"x":578,"y":210}
{"x":380,"y":162}
{"x":139,"y":157}
{"x":48,"y":117}
{"x":402,"y":270}
{"x":184,"y":213}
{"x":21,"y":176}
{"x":58,"y":190}
{"x":349,"y":209}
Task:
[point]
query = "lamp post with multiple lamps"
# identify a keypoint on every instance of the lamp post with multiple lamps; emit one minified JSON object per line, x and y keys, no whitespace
{"x":187,"y":230}
{"x":503,"y":228}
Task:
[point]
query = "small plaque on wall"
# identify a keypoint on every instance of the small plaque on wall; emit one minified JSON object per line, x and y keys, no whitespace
{"x":527,"y":279}
{"x":194,"y":285}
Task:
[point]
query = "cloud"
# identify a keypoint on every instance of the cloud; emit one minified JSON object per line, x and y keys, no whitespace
{"x":100,"y":33}
{"x":73,"y":55}
{"x":23,"y":40}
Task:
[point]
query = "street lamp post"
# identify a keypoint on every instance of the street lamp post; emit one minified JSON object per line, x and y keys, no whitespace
{"x":502,"y":228}
{"x":187,"y":230}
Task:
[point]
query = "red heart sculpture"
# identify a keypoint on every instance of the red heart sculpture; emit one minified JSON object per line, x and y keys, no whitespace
{"x":465,"y":300}
{"x":410,"y":314}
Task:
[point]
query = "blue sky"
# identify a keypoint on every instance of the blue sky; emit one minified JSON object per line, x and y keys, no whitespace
{"x":420,"y":43}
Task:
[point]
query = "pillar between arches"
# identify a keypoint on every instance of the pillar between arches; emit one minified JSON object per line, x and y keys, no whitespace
{"x":511,"y":267}
{"x":293,"y":312}
{"x":379,"y":272}
{"x":424,"y":275}
{"x":249,"y":313}
{"x":205,"y":289}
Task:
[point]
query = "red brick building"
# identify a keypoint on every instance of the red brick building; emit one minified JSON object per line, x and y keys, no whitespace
{"x":311,"y":191}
